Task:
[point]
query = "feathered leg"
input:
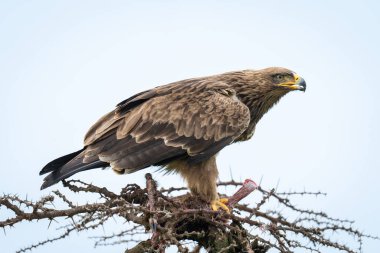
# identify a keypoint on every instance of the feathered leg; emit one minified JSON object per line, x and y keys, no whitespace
{"x":201,"y":179}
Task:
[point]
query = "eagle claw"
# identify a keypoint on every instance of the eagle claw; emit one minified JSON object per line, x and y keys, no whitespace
{"x":220,"y":203}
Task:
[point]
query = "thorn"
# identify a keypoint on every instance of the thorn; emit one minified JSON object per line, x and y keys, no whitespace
{"x":232,"y":178}
{"x":261,"y":180}
{"x":278,"y":183}
{"x":50,"y":222}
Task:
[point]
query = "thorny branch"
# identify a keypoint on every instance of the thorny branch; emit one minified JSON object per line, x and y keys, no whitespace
{"x":184,"y":221}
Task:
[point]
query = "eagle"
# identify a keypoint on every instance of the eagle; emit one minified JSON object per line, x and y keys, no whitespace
{"x":180,"y":127}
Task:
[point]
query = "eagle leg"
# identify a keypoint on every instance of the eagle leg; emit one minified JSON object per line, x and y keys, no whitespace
{"x":201,"y":179}
{"x":220,"y":203}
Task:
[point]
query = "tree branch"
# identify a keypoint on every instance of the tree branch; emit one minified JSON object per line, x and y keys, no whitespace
{"x":186,"y":222}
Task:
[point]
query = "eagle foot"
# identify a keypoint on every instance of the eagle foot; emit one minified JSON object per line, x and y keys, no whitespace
{"x":220,"y":203}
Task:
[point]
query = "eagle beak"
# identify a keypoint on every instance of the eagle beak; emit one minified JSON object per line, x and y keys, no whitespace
{"x":298,"y":83}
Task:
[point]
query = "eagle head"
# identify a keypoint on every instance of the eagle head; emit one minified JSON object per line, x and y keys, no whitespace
{"x":277,"y":80}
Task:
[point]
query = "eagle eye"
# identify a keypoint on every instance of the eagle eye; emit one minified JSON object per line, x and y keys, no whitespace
{"x":278,"y":77}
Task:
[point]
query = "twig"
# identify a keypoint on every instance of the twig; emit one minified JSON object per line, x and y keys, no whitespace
{"x":184,"y":218}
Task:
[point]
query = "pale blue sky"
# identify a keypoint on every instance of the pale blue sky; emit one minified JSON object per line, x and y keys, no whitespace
{"x":63,"y":64}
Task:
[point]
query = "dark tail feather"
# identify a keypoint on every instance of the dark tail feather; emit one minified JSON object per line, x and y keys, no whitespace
{"x":59,"y":162}
{"x":68,"y":168}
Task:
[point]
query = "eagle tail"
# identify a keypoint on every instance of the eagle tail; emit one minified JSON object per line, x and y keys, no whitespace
{"x":66,"y":166}
{"x":59,"y":162}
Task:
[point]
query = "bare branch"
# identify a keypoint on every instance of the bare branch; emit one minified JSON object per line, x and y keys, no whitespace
{"x":187,"y":222}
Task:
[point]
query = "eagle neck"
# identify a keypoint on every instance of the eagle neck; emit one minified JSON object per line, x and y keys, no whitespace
{"x":258,"y":100}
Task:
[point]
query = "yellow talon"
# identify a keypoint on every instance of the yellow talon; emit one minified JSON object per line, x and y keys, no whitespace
{"x":220,"y":203}
{"x":224,"y":200}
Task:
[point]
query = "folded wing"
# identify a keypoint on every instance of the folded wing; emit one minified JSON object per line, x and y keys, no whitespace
{"x":191,"y":122}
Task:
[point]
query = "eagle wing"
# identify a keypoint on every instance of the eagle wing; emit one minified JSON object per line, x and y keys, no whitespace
{"x":192,"y":121}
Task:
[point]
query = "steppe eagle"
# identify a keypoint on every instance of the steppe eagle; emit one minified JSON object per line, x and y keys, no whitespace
{"x":181,"y":127}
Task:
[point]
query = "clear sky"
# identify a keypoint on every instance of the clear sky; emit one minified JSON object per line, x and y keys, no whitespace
{"x":63,"y":64}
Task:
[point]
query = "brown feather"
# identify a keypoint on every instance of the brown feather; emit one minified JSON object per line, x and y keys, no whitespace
{"x":183,"y":125}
